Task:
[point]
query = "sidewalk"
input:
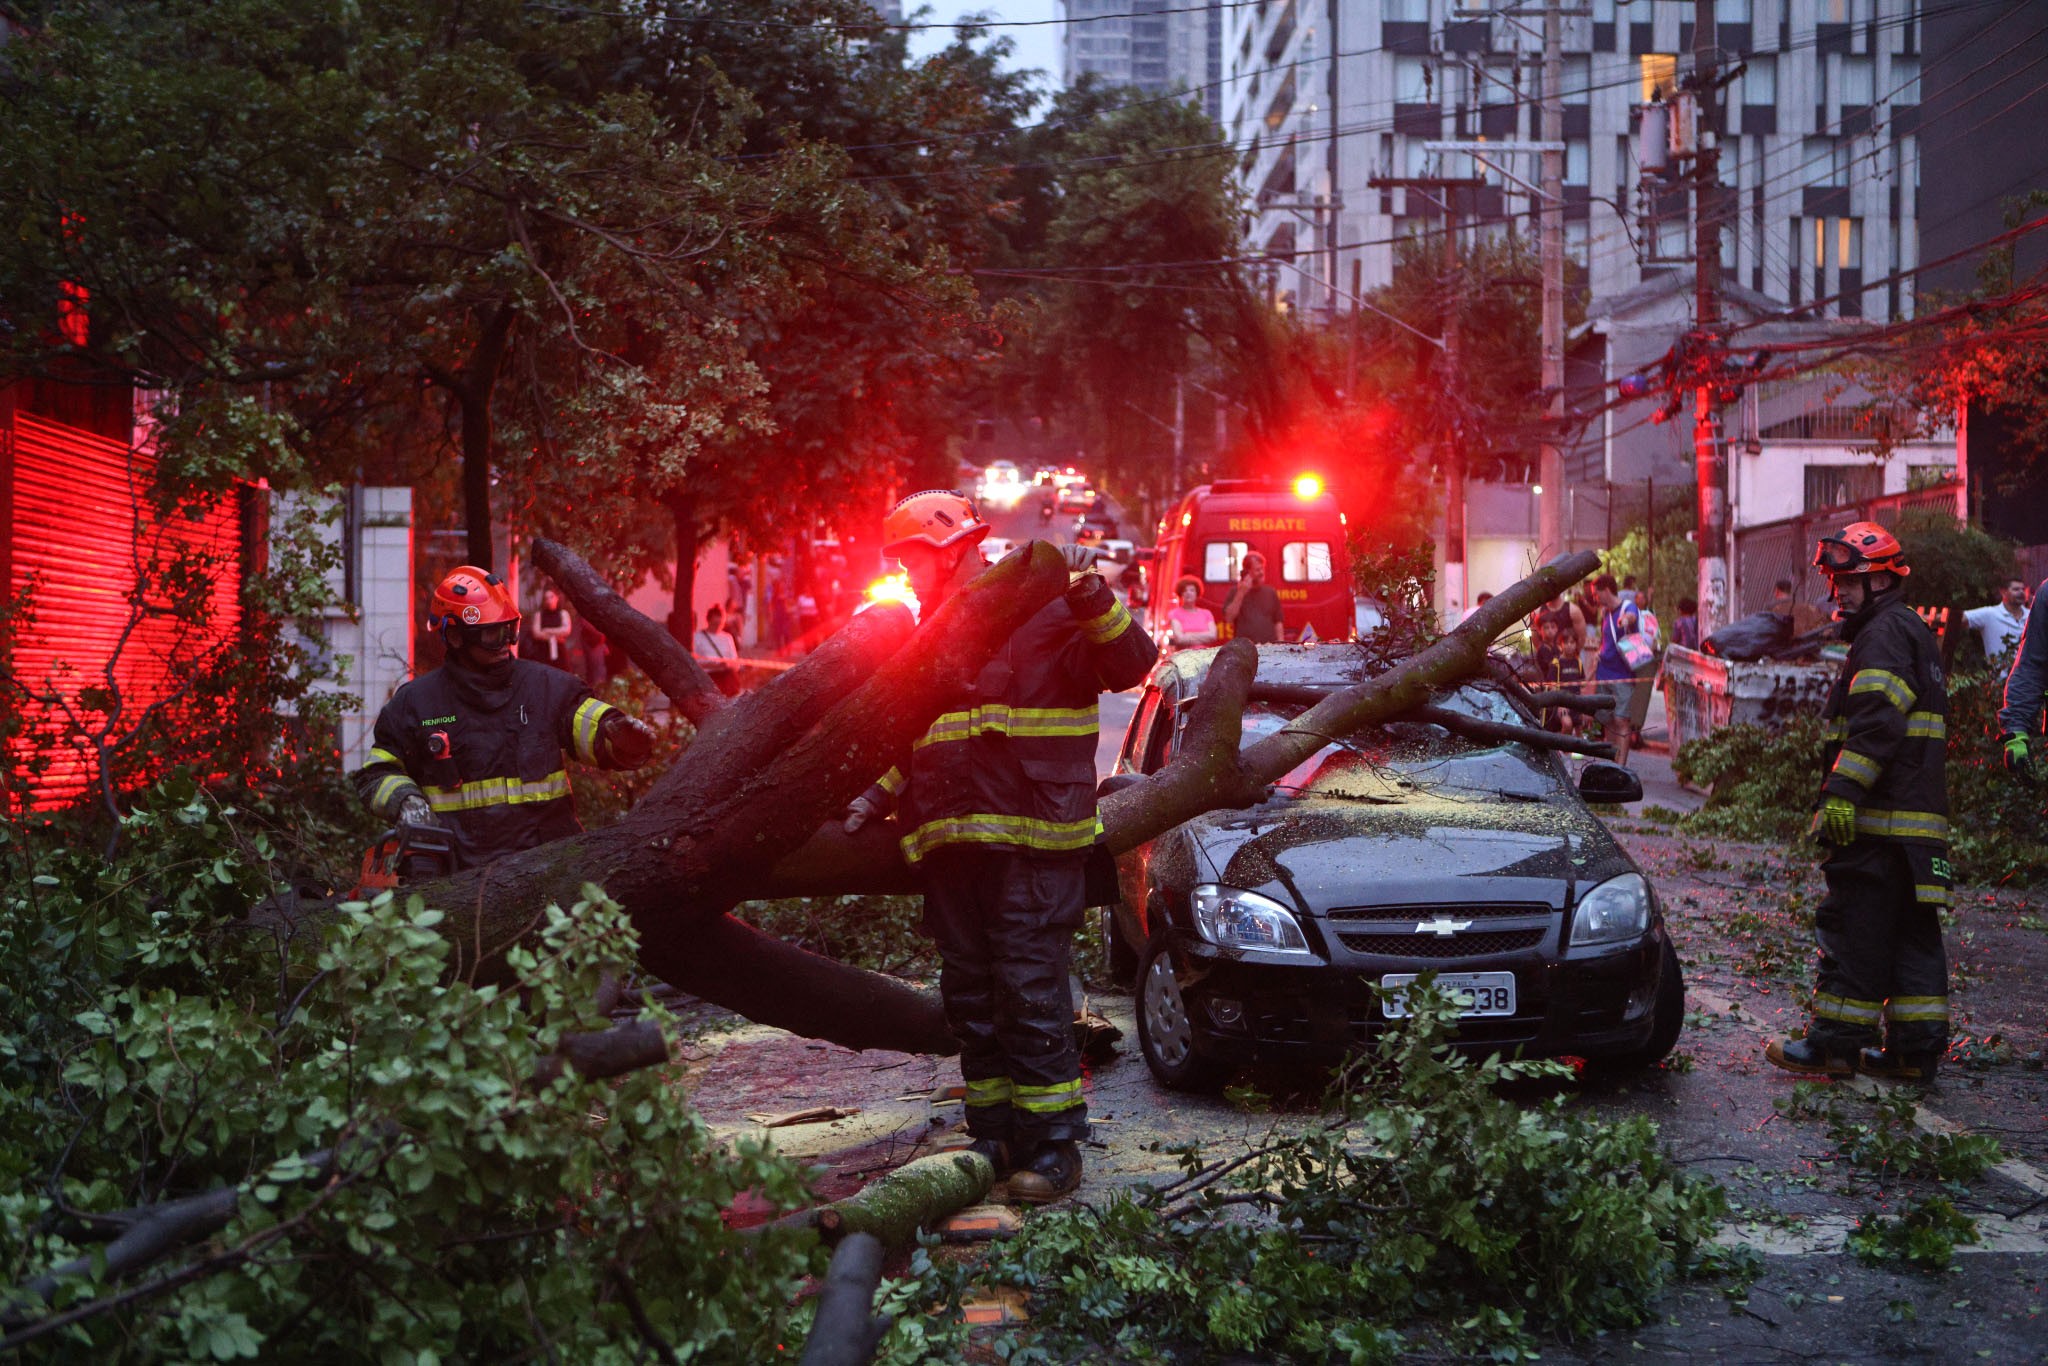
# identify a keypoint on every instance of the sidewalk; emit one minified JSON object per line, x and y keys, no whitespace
{"x":1650,"y":761}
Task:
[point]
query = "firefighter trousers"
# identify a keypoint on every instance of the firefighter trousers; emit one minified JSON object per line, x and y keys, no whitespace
{"x":1004,"y":922}
{"x":1883,"y":972}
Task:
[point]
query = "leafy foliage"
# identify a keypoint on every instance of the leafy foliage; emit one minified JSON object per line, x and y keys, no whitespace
{"x":1877,"y":1133}
{"x":1764,"y":783}
{"x":1955,"y":564}
{"x":408,"y":1191}
{"x":1428,"y":1204}
{"x":1926,"y":1235}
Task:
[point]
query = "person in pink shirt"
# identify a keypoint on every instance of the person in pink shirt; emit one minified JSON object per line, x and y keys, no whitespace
{"x":1193,"y":625}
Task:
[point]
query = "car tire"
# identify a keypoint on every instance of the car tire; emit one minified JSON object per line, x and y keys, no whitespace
{"x":1667,"y":1018}
{"x":1117,"y":951}
{"x":1166,"y":1033}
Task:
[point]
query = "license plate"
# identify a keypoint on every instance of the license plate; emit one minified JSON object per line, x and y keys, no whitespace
{"x":1480,"y":993}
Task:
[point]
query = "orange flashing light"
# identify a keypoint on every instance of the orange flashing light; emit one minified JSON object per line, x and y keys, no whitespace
{"x":890,"y":588}
{"x":1186,"y":517}
{"x":1308,"y":487}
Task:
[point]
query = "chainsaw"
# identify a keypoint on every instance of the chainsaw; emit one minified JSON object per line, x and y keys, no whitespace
{"x":411,"y":851}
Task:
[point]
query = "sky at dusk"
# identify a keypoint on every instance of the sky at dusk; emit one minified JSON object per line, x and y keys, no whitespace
{"x":1037,"y":46}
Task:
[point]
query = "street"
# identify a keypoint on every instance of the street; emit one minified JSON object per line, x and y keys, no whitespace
{"x":1736,"y":912}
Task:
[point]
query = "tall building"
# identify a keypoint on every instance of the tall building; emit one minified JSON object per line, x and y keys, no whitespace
{"x":1820,"y":144}
{"x":1153,"y":45}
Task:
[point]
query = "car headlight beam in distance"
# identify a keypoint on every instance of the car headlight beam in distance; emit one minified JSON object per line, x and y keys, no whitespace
{"x":1615,"y":911}
{"x":1232,"y":919}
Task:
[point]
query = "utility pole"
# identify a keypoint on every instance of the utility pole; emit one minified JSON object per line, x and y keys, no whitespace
{"x":1180,"y":427}
{"x":1454,"y":430}
{"x":1550,"y":464}
{"x":1710,"y":461}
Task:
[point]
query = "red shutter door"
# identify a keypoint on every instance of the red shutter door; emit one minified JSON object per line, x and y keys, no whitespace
{"x":84,"y":535}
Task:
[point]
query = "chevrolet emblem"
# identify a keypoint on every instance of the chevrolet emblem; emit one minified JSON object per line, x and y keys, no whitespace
{"x":1443,"y":926}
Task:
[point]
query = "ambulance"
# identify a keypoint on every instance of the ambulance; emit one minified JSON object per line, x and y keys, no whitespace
{"x":1294,"y":524}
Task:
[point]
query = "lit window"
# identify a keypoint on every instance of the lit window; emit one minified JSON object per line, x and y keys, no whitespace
{"x":1305,"y":562}
{"x":1849,"y":243}
{"x":1221,"y":559}
{"x":1660,"y":75}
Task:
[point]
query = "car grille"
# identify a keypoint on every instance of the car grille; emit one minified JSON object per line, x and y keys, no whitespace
{"x":1440,"y":946}
{"x":1484,"y":910}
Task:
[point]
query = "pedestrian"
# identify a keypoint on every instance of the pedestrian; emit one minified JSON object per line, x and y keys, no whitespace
{"x":1622,"y":652}
{"x":2026,"y":697}
{"x":1880,"y":999}
{"x":1192,"y":625}
{"x":778,"y":617}
{"x":2000,"y":626}
{"x":997,"y":815}
{"x":1253,"y":609}
{"x":716,"y":650}
{"x":476,"y":746}
{"x":1477,"y":603}
{"x":1685,"y":628}
{"x":548,"y":641}
{"x":595,"y":652}
{"x":1549,"y":668}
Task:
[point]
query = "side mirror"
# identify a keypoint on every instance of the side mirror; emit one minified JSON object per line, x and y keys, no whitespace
{"x":1600,"y":781}
{"x":1117,"y":782}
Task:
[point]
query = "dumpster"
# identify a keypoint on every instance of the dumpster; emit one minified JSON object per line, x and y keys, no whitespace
{"x":1703,"y":693}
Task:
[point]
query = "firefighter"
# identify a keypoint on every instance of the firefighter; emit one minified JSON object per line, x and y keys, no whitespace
{"x":1880,"y":1002}
{"x":998,"y":816}
{"x":2026,"y":690}
{"x":476,"y":745}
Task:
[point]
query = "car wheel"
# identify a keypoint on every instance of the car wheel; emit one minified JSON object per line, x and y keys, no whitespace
{"x":1122,"y":958}
{"x":1667,"y":1018}
{"x":1166,"y":1033}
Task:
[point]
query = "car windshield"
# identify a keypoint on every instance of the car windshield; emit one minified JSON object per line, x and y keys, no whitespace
{"x":1408,"y":760}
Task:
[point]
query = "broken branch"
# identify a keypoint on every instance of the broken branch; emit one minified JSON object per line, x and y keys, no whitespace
{"x":643,"y":640}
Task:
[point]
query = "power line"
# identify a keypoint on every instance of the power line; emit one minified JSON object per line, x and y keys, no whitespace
{"x":972,"y":23}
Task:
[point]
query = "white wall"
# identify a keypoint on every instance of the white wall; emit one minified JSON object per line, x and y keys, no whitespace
{"x":373,"y":634}
{"x":1771,"y":486}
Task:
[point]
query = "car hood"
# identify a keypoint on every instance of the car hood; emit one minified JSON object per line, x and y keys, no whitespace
{"x":1317,"y":854}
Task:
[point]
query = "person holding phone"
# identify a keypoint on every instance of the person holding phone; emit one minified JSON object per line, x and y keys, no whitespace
{"x":1253,"y":610}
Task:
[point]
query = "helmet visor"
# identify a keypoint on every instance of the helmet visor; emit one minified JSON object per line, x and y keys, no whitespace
{"x":1836,"y":556}
{"x":492,"y":635}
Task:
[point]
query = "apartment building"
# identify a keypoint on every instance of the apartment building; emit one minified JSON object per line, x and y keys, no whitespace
{"x":1820,"y":148}
{"x":1153,"y":45}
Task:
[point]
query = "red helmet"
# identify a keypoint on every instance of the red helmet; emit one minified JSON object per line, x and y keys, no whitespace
{"x":1861,"y":548}
{"x":937,"y":518}
{"x":472,"y":597}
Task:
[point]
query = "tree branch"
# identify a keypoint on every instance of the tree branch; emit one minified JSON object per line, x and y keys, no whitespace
{"x":644,"y":641}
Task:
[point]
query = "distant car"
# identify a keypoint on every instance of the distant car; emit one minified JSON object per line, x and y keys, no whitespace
{"x":1101,"y":523}
{"x":1068,"y":477}
{"x":1257,"y":936}
{"x":1002,"y":484}
{"x":1075,"y":498}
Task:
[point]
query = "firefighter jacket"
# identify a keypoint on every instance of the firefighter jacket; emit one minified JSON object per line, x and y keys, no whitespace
{"x":486,"y":751}
{"x":2026,"y":687}
{"x":1887,"y":739}
{"x":1012,"y":766}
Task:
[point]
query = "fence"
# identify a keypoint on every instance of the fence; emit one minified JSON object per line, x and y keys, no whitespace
{"x":1784,"y":550}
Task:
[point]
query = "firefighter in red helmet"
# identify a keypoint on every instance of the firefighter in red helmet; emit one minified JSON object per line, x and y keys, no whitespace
{"x":476,"y":745}
{"x":997,"y":815}
{"x":1880,"y":1001}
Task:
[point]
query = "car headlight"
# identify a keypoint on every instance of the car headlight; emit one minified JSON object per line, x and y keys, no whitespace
{"x":1617,"y":909}
{"x":1233,"y":919}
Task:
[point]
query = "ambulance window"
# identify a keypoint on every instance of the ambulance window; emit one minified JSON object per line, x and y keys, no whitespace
{"x":1305,"y":562}
{"x":1220,"y":560}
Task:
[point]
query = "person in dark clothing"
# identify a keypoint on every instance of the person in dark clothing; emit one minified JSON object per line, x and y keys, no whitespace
{"x":1880,"y":1000}
{"x":2026,"y":690}
{"x":476,"y":745}
{"x":998,"y":816}
{"x":1253,"y":609}
{"x":550,"y":633}
{"x":1685,"y":630}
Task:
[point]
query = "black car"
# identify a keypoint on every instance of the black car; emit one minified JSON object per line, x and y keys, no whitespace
{"x":1258,"y":935}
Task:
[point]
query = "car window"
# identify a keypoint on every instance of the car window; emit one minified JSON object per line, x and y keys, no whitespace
{"x":1220,"y":560}
{"x":1382,"y":762}
{"x":1305,"y":562}
{"x":1159,"y":740}
{"x":1135,"y":733}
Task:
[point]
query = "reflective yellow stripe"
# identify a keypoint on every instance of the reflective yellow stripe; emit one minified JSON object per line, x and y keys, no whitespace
{"x":385,"y":756}
{"x":498,"y":792}
{"x":892,"y":781}
{"x":1841,"y":1008}
{"x":988,"y":1091}
{"x":1107,"y":627}
{"x":1857,"y":769}
{"x":999,"y":718}
{"x":1894,"y":688}
{"x":1041,"y":1099}
{"x":1923,"y":825}
{"x":387,"y":790}
{"x":1932,"y":894}
{"x":1838,"y":729}
{"x":1926,"y":725}
{"x":1904,"y":1008}
{"x":1027,"y":832}
{"x":584,"y":726}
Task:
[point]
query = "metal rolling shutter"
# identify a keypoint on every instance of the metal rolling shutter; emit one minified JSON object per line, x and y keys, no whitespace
{"x":83,"y":534}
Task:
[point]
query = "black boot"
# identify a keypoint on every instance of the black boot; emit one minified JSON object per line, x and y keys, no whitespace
{"x":1806,"y":1056}
{"x":996,"y":1150}
{"x":1887,"y":1064}
{"x":1052,"y":1171}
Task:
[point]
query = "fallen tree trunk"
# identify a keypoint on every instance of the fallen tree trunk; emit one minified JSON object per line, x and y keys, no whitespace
{"x":1457,"y":723}
{"x":896,"y":1205}
{"x":846,"y":1329}
{"x":644,"y":641}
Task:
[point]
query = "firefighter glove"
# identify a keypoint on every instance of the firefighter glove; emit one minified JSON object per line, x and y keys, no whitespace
{"x":860,"y":811}
{"x":2020,"y":760}
{"x":414,"y":810}
{"x":1838,"y":821}
{"x":630,"y":740}
{"x":1080,"y":558}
